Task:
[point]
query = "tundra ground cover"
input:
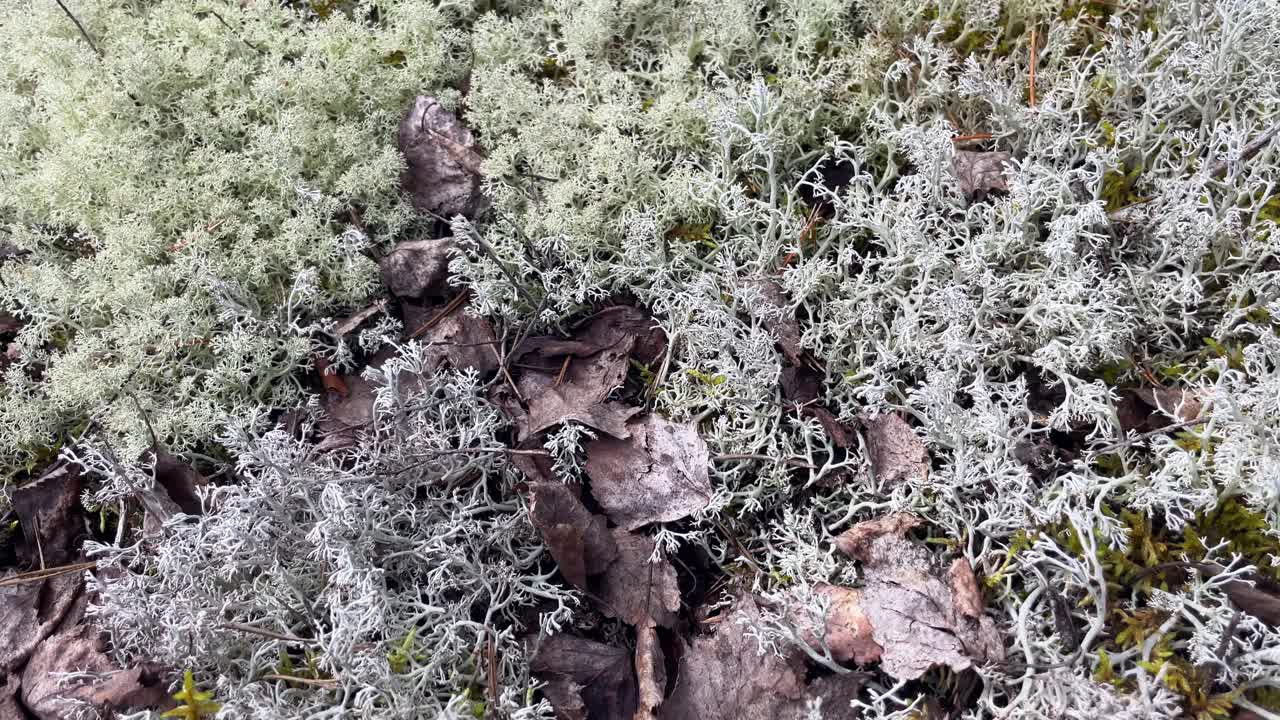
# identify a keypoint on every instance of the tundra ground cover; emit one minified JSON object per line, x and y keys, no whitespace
{"x":787,"y":268}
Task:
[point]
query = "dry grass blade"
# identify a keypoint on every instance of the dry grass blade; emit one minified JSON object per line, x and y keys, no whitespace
{"x":313,"y":682}
{"x":453,"y":305}
{"x":38,"y":575}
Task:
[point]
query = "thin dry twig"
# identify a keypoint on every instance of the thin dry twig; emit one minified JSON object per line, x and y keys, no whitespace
{"x":1033,"y":67}
{"x":357,"y":319}
{"x":491,"y":660}
{"x":1250,"y":151}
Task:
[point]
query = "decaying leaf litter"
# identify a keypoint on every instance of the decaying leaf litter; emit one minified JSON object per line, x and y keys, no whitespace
{"x":910,"y":611}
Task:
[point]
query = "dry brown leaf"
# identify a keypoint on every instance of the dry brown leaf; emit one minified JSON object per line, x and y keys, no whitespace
{"x":345,"y":416}
{"x":658,"y":474}
{"x":601,"y":676}
{"x":48,"y":510}
{"x":635,"y":590}
{"x":580,"y":396}
{"x":780,"y":320}
{"x":856,"y":541}
{"x":416,"y":267}
{"x":835,"y":692}
{"x":966,"y":596}
{"x":614,"y":328}
{"x":725,"y":676}
{"x":920,"y":615}
{"x":442,"y":166}
{"x":895,"y":451}
{"x":565,"y":697}
{"x":1260,"y":599}
{"x":800,"y":384}
{"x":330,"y":379}
{"x":1182,"y":405}
{"x":980,"y":173}
{"x":848,"y":630}
{"x":82,"y":650}
{"x":180,"y":480}
{"x":651,"y":672}
{"x":9,"y":324}
{"x":579,"y":541}
{"x":29,"y":613}
{"x":456,"y":339}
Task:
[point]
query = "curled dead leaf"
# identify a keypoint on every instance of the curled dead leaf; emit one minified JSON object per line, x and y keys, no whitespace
{"x":848,"y":630}
{"x":920,"y":615}
{"x":617,"y":327}
{"x":10,"y":686}
{"x":179,"y":480}
{"x":101,"y":684}
{"x":579,"y":541}
{"x":966,"y":596}
{"x":895,"y":450}
{"x":856,"y":541}
{"x":591,"y":679}
{"x":726,"y":675}
{"x":450,"y":337}
{"x":29,"y":613}
{"x":635,"y":590}
{"x":658,"y":474}
{"x":48,"y":510}
{"x":417,"y":267}
{"x":580,"y":395}
{"x":980,"y":173}
{"x":442,"y":172}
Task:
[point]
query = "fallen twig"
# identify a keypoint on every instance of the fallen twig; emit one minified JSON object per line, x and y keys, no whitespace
{"x":241,"y":627}
{"x":84,"y":33}
{"x":797,"y":462}
{"x":1250,"y":151}
{"x":1033,"y":68}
